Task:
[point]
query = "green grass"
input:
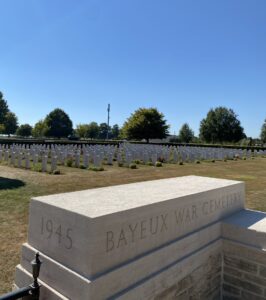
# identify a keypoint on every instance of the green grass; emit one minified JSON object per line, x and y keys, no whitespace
{"x":18,"y":186}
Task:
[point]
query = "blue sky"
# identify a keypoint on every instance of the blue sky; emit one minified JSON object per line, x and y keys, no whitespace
{"x":180,"y":56}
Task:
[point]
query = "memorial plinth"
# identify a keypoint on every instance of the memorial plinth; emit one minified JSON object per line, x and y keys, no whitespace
{"x":104,"y":243}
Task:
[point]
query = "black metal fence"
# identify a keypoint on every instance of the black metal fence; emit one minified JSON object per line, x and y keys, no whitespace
{"x":32,"y":292}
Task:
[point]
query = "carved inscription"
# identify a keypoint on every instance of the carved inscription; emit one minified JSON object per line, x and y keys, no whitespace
{"x":140,"y":230}
{"x":54,"y":231}
{"x":158,"y":224}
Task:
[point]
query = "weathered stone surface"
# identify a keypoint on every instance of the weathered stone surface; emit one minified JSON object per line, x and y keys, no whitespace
{"x":249,"y":296}
{"x":252,"y":254}
{"x":256,"y":279}
{"x":158,"y":284}
{"x":229,"y":297}
{"x":248,"y":286}
{"x":232,"y":271}
{"x":262,"y":271}
{"x":240,"y":264}
{"x":231,"y":289}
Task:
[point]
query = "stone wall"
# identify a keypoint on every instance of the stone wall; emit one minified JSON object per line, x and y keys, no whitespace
{"x":244,"y":272}
{"x":203,"y":283}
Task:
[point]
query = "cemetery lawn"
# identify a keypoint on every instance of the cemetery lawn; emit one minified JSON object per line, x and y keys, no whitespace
{"x":17,"y":186}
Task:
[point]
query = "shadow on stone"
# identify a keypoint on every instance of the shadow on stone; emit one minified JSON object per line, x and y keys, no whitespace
{"x":8,"y":183}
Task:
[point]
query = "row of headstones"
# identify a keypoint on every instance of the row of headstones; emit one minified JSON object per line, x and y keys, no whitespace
{"x":23,"y":160}
{"x":58,"y":155}
{"x":126,"y":153}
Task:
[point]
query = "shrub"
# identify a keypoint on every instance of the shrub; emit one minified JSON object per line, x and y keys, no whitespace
{"x":120,"y":164}
{"x":56,"y":172}
{"x":149,"y":163}
{"x":137,"y":161}
{"x":197,"y":161}
{"x":69,"y":162}
{"x":244,"y":158}
{"x":132,"y":166}
{"x":37,"y":168}
{"x":181,"y":163}
{"x":213,"y":160}
{"x":97,"y":169}
{"x":160,"y":159}
{"x":158,"y":164}
{"x":82,"y":167}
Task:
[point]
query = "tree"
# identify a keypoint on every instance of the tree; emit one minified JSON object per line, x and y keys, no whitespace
{"x":58,"y":124}
{"x":115,"y":131}
{"x":24,"y":130}
{"x":103,"y":129}
{"x":3,"y":108}
{"x":39,"y":129}
{"x":186,"y":134}
{"x":8,"y":120}
{"x":11,"y":123}
{"x":146,"y":123}
{"x":82,"y":130}
{"x":221,"y":125}
{"x":263,"y":132}
{"x":93,"y":130}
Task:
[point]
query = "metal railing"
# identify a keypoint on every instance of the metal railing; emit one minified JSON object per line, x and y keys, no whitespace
{"x":32,"y":292}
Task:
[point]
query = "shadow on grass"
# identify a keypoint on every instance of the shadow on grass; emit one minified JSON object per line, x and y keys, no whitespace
{"x":9,"y":184}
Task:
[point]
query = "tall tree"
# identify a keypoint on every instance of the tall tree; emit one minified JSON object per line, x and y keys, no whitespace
{"x":58,"y":124}
{"x":263,"y":132}
{"x":39,"y":129}
{"x":103,"y":129}
{"x":221,"y":125}
{"x":24,"y":130}
{"x":93,"y":130}
{"x":186,"y":134}
{"x":11,"y":123}
{"x":145,"y":123}
{"x":3,"y":108}
{"x":115,"y":131}
{"x":82,"y":130}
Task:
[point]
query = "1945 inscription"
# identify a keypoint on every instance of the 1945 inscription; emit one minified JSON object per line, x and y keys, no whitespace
{"x":158,"y":224}
{"x":51,"y":230}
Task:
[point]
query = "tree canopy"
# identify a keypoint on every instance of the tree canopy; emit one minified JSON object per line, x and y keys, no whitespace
{"x":221,"y":125}
{"x":263,"y":132}
{"x":115,"y":131}
{"x":103,"y":129}
{"x":82,"y":130}
{"x":24,"y":130}
{"x":39,"y":129}
{"x":11,"y":123}
{"x":3,"y":108}
{"x":58,"y":124}
{"x":186,"y":134}
{"x":146,"y":123}
{"x":93,"y":130}
{"x":8,"y":120}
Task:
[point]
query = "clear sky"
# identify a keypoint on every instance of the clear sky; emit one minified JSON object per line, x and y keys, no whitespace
{"x":180,"y":56}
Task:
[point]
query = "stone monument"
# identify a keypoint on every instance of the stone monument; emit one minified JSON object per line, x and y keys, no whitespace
{"x":161,"y":239}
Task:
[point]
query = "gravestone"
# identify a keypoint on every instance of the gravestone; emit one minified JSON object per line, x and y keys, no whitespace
{"x":133,"y":241}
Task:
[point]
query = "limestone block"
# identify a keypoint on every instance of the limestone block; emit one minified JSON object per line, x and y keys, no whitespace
{"x":246,"y":226}
{"x":97,"y":230}
{"x":77,"y":286}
